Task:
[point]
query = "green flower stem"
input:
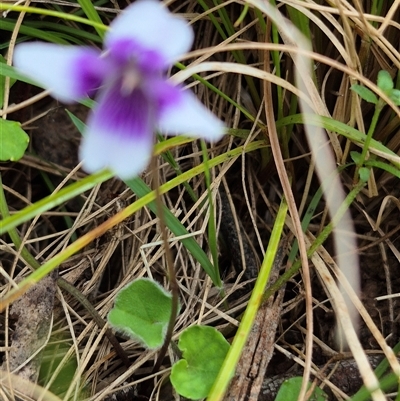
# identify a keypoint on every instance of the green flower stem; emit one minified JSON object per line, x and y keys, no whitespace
{"x":51,"y":264}
{"x":228,"y":368}
{"x":378,"y":108}
{"x":34,"y":264}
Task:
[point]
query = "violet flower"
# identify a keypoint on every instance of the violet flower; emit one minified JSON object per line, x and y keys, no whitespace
{"x":134,"y":97}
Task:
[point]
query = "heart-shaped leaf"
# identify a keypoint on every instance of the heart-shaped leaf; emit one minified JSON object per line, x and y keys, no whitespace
{"x":13,"y":140}
{"x":204,"y":349}
{"x":290,"y":390}
{"x":142,"y":311}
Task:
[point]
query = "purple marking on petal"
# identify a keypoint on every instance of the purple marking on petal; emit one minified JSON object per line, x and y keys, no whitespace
{"x":124,"y":116}
{"x":90,"y":71}
{"x":164,"y":93}
{"x":151,"y":60}
{"x":121,"y":51}
{"x":120,"y":133}
{"x":70,"y":72}
{"x":127,"y":53}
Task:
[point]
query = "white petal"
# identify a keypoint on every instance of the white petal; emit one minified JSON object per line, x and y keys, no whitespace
{"x":190,"y":117}
{"x":126,"y":159}
{"x":69,"y":72}
{"x":151,"y":25}
{"x":120,"y":134}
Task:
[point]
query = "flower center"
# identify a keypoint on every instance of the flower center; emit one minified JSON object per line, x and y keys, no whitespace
{"x":130,"y":81}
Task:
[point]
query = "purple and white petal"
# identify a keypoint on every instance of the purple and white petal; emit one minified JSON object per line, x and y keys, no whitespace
{"x":188,"y":116}
{"x":119,"y":134}
{"x":151,"y":26}
{"x":162,"y":91}
{"x":128,"y":53}
{"x":69,"y":72}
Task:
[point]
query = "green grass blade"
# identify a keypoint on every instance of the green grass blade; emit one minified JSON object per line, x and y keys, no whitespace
{"x":219,"y":92}
{"x":9,"y":25}
{"x":92,"y":14}
{"x":238,"y":55}
{"x":341,"y":128}
{"x":226,"y":373}
{"x":383,"y":166}
{"x":212,"y":231}
{"x":68,"y":30}
{"x":53,"y":200}
{"x":52,"y":13}
{"x":8,"y":71}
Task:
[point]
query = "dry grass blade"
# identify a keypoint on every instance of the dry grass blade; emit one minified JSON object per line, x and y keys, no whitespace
{"x":346,"y":322}
{"x":256,"y":97}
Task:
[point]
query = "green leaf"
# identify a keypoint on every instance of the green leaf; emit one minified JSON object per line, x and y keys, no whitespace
{"x":384,"y":81}
{"x":13,"y":140}
{"x":395,"y":96}
{"x":355,"y":156}
{"x":383,"y":166}
{"x":79,"y":124}
{"x":204,"y":349}
{"x":3,"y":81}
{"x":364,"y":174}
{"x":365,"y":93}
{"x":142,"y":311}
{"x":290,"y":390}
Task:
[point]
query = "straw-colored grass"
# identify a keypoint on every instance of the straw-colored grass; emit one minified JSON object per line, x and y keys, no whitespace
{"x":259,"y":74}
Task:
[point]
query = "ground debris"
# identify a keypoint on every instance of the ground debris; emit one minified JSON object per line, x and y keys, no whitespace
{"x":33,"y":312}
{"x":250,"y":371}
